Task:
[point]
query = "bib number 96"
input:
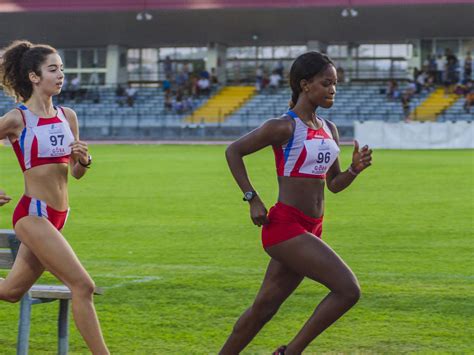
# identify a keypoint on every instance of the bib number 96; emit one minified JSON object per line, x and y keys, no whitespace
{"x":322,"y":157}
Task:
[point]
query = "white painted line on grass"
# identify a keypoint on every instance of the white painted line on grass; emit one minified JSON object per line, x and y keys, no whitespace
{"x":132,"y":279}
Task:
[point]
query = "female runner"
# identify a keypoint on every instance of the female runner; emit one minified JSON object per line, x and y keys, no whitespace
{"x":306,"y":154}
{"x":45,"y":139}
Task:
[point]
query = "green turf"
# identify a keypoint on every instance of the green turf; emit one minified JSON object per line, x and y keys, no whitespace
{"x":165,"y":228}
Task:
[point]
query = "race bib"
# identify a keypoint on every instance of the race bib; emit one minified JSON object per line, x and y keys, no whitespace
{"x":320,"y":155}
{"x":53,"y":140}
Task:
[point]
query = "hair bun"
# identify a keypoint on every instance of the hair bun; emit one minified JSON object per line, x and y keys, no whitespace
{"x":21,"y":47}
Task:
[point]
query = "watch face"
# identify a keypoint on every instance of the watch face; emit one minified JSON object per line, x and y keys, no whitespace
{"x":248,"y":196}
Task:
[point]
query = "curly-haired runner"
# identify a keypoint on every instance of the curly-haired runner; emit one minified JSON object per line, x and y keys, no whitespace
{"x":46,"y":140}
{"x":306,"y":149}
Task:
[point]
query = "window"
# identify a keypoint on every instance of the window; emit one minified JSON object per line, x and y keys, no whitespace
{"x":101,"y":58}
{"x":182,"y":53}
{"x":337,"y":51}
{"x":366,"y":50}
{"x":241,"y":52}
{"x":382,"y":50}
{"x":70,"y":58}
{"x":402,"y":50}
{"x":265,"y":52}
{"x":89,"y":64}
{"x":87,"y":58}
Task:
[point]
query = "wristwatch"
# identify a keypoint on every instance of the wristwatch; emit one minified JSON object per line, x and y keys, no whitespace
{"x":89,"y":162}
{"x":249,"y":195}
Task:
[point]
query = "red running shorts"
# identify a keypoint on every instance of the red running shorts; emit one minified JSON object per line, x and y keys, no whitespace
{"x":29,"y":206}
{"x":286,"y":222}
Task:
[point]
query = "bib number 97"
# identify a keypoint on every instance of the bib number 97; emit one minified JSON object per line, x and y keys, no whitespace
{"x":55,"y":140}
{"x":323,"y":157}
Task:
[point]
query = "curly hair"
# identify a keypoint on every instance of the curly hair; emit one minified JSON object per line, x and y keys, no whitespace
{"x":19,"y":59}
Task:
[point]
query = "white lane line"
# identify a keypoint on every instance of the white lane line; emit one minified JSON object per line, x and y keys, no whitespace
{"x":131,"y":279}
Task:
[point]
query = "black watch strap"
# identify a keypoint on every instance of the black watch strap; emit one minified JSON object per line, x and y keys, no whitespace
{"x":249,"y":195}
{"x":89,"y":162}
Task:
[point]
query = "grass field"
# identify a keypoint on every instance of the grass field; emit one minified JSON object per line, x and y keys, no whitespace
{"x":165,"y":230}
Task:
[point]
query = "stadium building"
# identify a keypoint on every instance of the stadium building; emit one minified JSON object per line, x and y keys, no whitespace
{"x":158,"y":51}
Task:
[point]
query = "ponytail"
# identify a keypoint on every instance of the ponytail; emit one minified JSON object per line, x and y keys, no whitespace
{"x":293,"y":100}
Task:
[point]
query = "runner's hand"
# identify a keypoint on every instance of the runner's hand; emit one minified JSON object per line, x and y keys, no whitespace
{"x":4,"y":198}
{"x":361,"y":159}
{"x":79,"y":151}
{"x":258,"y":212}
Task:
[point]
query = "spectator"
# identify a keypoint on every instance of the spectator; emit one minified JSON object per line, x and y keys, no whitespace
{"x":204,"y":74}
{"x":120,"y":95}
{"x":392,"y":90}
{"x":467,"y":68}
{"x":450,"y":56}
{"x":188,"y":104}
{"x":181,"y":79}
{"x":93,"y":91}
{"x":94,"y":77}
{"x":186,"y":70}
{"x":178,"y":103}
{"x":406,"y":105}
{"x":74,"y":87}
{"x":416,"y":72}
{"x":279,"y":68}
{"x":259,"y":78}
{"x":440,"y":68}
{"x":166,"y":85}
{"x":461,"y":89}
{"x":430,"y":82}
{"x":265,"y":81}
{"x":274,"y":80}
{"x":451,"y":71}
{"x":214,"y":79}
{"x":131,"y":93}
{"x":469,"y":95}
{"x":340,"y":74}
{"x":168,"y":67}
{"x":193,"y":87}
{"x":421,"y":81}
{"x":411,"y":89}
{"x":432,"y":66}
{"x":204,"y":86}
{"x":168,"y":104}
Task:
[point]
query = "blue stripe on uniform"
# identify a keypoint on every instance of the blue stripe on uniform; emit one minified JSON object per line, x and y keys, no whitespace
{"x":292,"y":114}
{"x":38,"y":208}
{"x":288,"y":148}
{"x":22,"y":141}
{"x":290,"y":142}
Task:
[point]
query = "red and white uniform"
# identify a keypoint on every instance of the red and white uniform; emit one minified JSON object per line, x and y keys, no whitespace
{"x":43,"y":140}
{"x":309,"y":152}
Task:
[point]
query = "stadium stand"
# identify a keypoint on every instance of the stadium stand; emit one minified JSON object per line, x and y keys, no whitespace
{"x":241,"y":106}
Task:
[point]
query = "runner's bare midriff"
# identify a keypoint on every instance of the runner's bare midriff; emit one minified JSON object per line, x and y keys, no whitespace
{"x":306,"y":194}
{"x":49,"y":184}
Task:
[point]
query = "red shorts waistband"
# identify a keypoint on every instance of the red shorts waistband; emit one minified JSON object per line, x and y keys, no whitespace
{"x":309,"y":219}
